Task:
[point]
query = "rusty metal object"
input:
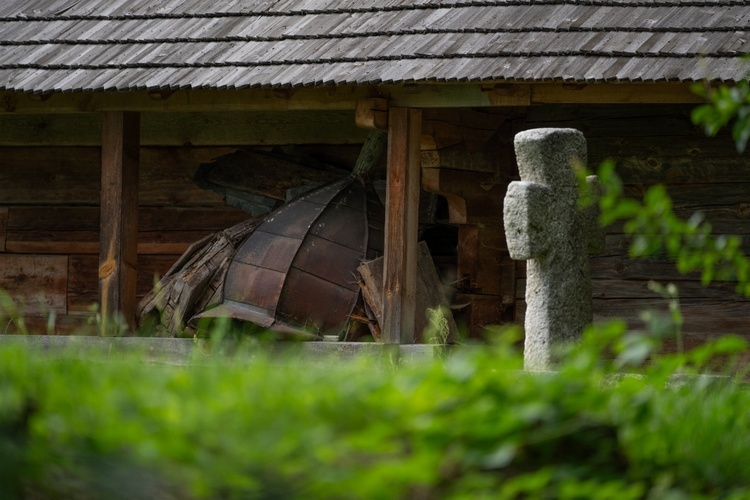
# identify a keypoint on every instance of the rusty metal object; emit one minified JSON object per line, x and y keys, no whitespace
{"x":297,"y":271}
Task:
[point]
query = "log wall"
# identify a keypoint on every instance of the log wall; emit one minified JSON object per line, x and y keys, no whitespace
{"x":658,"y":144}
{"x":50,"y":185}
{"x":49,"y":224}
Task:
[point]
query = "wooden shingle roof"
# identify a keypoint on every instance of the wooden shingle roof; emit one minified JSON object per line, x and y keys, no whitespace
{"x":94,"y":45}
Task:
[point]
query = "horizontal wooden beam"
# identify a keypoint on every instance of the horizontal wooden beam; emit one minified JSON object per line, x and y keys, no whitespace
{"x":346,"y":97}
{"x":184,"y":128}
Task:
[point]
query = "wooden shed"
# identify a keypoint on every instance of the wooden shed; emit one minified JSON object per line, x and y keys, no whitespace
{"x":107,"y":108}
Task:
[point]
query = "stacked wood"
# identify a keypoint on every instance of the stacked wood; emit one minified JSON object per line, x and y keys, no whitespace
{"x":431,"y":300}
{"x":468,"y":159}
{"x":195,"y":281}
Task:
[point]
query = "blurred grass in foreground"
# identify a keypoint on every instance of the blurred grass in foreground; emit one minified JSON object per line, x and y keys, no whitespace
{"x":471,"y":426}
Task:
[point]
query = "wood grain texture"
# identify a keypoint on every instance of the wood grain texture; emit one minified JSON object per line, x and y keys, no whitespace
{"x":75,"y":230}
{"x":44,"y":324}
{"x":83,"y":278}
{"x":118,"y":249}
{"x":402,"y":209}
{"x":3,"y":227}
{"x":483,"y":311}
{"x":429,"y":295}
{"x":345,"y":97}
{"x":197,"y":129}
{"x":481,"y":254}
{"x":37,"y":283}
{"x":72,"y":176}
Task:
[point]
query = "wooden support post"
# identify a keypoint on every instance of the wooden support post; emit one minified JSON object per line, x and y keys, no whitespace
{"x":119,"y":219}
{"x":401,"y":220}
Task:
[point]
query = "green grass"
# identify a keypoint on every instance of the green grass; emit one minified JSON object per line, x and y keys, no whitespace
{"x":473,"y":426}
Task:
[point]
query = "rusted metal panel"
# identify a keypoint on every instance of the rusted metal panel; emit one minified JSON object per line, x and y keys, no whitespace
{"x":269,"y":251}
{"x":338,"y":267}
{"x":308,"y":282}
{"x":314,"y":303}
{"x":253,"y":285}
{"x":344,"y":219}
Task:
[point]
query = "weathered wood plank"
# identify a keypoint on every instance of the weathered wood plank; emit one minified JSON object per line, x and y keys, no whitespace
{"x":83,"y":278}
{"x":617,"y":121}
{"x":481,"y":254}
{"x":473,"y":197}
{"x":402,"y":209}
{"x":638,"y":289}
{"x":44,"y":324}
{"x":72,"y":230}
{"x":704,"y":318}
{"x":484,"y":311}
{"x":71,"y":176}
{"x":618,"y":93}
{"x":3,"y":227}
{"x":429,"y":294}
{"x":118,"y":251}
{"x":641,"y":169}
{"x":37,"y":283}
{"x":345,"y":97}
{"x":698,"y":147}
{"x":450,"y":127}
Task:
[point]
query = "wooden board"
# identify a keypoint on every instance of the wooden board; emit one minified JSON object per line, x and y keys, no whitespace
{"x":638,"y":289}
{"x":75,"y":230}
{"x":44,"y":324}
{"x":118,"y":233}
{"x":429,"y":293}
{"x":482,"y":252}
{"x":454,"y":95}
{"x":473,"y":197}
{"x":197,"y":129}
{"x":656,"y":120}
{"x":71,"y":176}
{"x":401,"y":226}
{"x":38,"y":283}
{"x":3,"y":227}
{"x":83,"y":272}
{"x":483,"y":311}
{"x":704,"y":318}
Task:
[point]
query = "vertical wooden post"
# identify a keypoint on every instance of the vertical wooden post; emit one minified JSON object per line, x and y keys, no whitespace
{"x":401,"y":222}
{"x":118,"y":237}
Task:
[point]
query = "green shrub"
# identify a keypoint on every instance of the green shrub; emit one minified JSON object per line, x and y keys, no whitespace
{"x":474,"y":426}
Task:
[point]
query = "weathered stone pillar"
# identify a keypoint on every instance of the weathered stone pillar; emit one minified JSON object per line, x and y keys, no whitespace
{"x":544,"y":225}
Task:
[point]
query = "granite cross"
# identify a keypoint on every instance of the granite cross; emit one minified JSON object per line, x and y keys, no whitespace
{"x":545,"y":225}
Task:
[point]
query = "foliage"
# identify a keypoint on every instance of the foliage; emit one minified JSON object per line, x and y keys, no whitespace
{"x":726,"y":104}
{"x":474,"y":426}
{"x":657,"y":230}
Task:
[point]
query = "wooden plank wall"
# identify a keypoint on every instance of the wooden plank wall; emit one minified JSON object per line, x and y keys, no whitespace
{"x":658,"y":144}
{"x":49,"y":224}
{"x":50,"y":192}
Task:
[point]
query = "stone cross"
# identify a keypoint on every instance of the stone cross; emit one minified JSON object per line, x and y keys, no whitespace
{"x":545,"y":225}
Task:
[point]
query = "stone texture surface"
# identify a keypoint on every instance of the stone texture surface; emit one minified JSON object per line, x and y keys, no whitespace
{"x":544,"y":225}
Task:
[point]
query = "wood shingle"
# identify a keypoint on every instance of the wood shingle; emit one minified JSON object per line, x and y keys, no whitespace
{"x":93,"y":45}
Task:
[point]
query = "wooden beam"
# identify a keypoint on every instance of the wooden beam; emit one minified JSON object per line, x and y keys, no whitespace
{"x":401,"y":225}
{"x":230,"y":128}
{"x":119,"y":219}
{"x":3,"y":227}
{"x":445,"y":95}
{"x":614,"y":93}
{"x":372,"y":114}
